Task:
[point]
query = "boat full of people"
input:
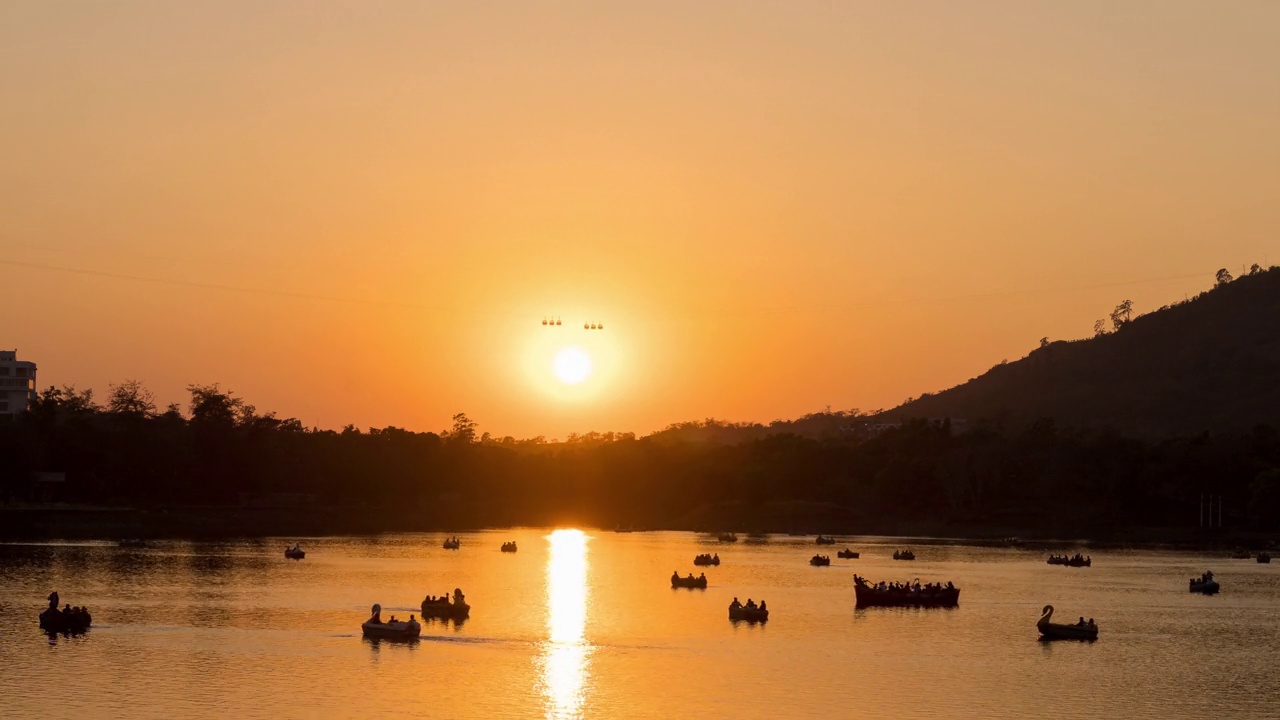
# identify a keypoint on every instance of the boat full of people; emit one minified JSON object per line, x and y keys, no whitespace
{"x":1076,"y":560}
{"x":1204,"y":584}
{"x":691,"y":582}
{"x":911,"y":594}
{"x":823,"y":540}
{"x":452,"y":543}
{"x":707,"y":559}
{"x":820,"y":560}
{"x":848,"y":554}
{"x":903,"y":555}
{"x":295,"y":553}
{"x":727,"y":537}
{"x":750,"y":612}
{"x":65,"y":620}
{"x":442,"y":608}
{"x":1264,"y":558}
{"x":393,"y":629}
{"x":509,"y":546}
{"x":1081,"y":630}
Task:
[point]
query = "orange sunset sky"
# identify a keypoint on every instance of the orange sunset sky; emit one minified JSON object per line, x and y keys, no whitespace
{"x":360,"y":212}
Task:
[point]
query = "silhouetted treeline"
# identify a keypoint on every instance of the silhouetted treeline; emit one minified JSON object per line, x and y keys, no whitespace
{"x":1036,"y":477}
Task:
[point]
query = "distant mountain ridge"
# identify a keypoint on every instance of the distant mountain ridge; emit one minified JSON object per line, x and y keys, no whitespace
{"x":1208,"y":364}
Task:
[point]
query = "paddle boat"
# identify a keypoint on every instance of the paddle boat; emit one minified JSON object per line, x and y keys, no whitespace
{"x":691,"y":582}
{"x":66,"y":620}
{"x":909,"y":595}
{"x":1057,"y":631}
{"x":1075,"y":561}
{"x":1204,"y":584}
{"x":509,"y":546}
{"x":903,"y":555}
{"x":848,"y":554}
{"x":295,"y":552}
{"x":452,"y":543}
{"x":393,"y":629}
{"x":727,"y":537}
{"x":822,"y":540}
{"x":706,"y":559}
{"x":1264,"y":558}
{"x":820,"y":560}
{"x":442,"y":608}
{"x":750,"y":612}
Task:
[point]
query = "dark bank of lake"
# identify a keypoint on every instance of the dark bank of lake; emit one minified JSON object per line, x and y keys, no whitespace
{"x":584,"y":624}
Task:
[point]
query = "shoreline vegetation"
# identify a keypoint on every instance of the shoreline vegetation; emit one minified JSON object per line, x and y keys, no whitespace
{"x":34,"y":523}
{"x":220,"y":468}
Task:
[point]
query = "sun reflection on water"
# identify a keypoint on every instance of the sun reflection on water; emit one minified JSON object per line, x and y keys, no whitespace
{"x":565,"y":654}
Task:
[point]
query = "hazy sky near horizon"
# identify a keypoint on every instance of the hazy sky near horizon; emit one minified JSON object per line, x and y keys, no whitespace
{"x":361,"y":212}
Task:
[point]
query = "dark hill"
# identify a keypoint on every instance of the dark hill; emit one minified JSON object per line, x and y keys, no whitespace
{"x":1208,"y":364}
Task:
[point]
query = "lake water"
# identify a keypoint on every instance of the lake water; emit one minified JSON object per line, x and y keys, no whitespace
{"x":586,"y":625}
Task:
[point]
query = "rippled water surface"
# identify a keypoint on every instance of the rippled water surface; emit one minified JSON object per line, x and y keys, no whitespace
{"x":586,"y":625}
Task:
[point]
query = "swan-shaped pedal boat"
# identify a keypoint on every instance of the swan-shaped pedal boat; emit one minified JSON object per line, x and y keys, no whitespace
{"x":823,"y":540}
{"x":848,"y":554}
{"x":443,"y":609}
{"x":1057,"y":631}
{"x":1205,"y":584}
{"x":374,"y":627}
{"x":66,"y":620}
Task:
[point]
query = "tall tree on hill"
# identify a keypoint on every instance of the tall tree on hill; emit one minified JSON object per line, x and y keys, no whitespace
{"x":1122,"y":314}
{"x":1222,"y":277}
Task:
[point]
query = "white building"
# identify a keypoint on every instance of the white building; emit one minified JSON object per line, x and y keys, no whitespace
{"x":17,"y":384}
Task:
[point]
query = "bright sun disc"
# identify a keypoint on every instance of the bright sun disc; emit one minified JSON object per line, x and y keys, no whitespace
{"x":572,"y":365}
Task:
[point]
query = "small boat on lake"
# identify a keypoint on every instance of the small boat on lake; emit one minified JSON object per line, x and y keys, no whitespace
{"x":65,"y":620}
{"x":1264,"y":558}
{"x":931,"y":595}
{"x":822,"y":540}
{"x":1076,"y":560}
{"x":707,"y":559}
{"x":820,"y":560}
{"x":903,"y":555}
{"x":392,"y":629}
{"x":750,"y":612}
{"x":442,"y":608}
{"x":847,"y":554}
{"x":509,"y":546}
{"x":727,"y":537}
{"x":690,"y":582}
{"x":452,"y":543}
{"x":1057,"y":631}
{"x":295,"y":552}
{"x":1204,"y":584}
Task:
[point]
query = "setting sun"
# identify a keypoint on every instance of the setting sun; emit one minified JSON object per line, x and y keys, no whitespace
{"x":572,"y":365}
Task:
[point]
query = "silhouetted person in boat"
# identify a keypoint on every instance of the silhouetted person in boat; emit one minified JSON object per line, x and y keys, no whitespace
{"x":716,"y":557}
{"x":762,"y":606}
{"x":1081,"y":623}
{"x":675,"y":576}
{"x":458,"y":599}
{"x":702,"y":576}
{"x":377,"y":615}
{"x":735,"y":604}
{"x":53,"y":600}
{"x":751,"y":604}
{"x":410,"y":618}
{"x":1091,"y":623}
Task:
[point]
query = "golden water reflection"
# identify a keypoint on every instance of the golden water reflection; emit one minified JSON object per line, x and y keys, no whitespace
{"x":565,"y":654}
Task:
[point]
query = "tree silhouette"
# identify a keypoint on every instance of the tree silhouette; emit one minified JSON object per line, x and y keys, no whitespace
{"x":1122,"y":314}
{"x":1222,"y":277}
